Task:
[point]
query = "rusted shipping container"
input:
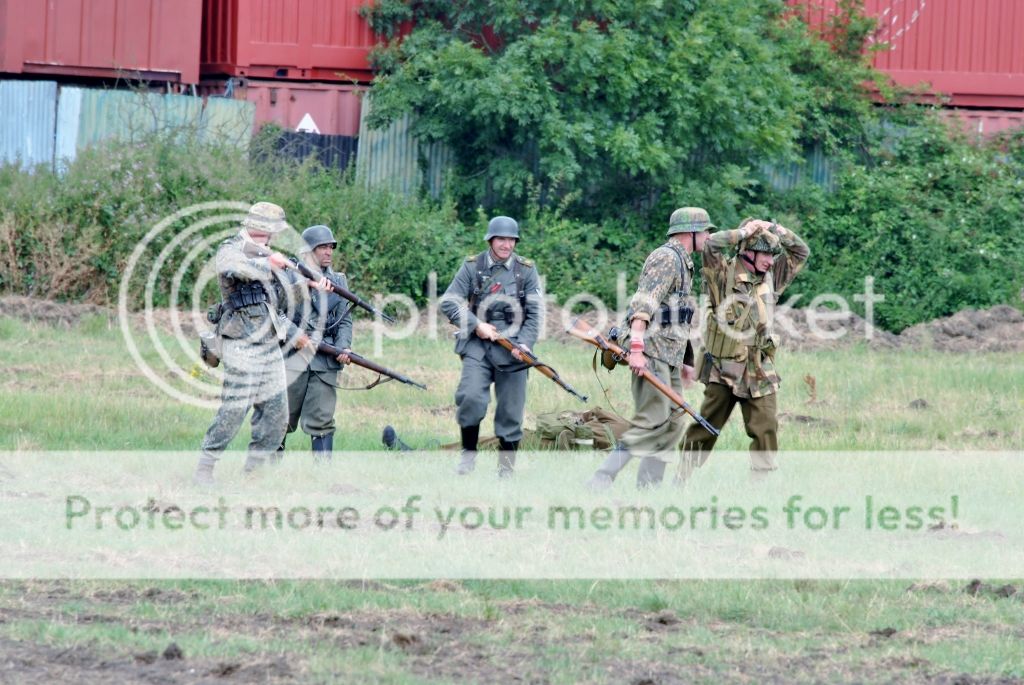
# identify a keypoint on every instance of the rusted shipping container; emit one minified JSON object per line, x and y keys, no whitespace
{"x":156,"y":40}
{"x":330,"y":109}
{"x":985,"y":123}
{"x":317,"y":40}
{"x":970,"y":50}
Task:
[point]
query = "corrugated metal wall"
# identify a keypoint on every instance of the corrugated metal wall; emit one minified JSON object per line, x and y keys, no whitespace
{"x":27,"y":121}
{"x":815,"y":167}
{"x":391,"y":158}
{"x":43,"y":124}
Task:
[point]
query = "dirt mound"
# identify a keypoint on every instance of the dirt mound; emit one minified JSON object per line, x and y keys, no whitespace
{"x":997,"y":329}
{"x":50,"y":313}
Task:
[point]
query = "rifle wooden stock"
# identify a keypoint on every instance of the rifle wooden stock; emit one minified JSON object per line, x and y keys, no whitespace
{"x":531,"y":360}
{"x":315,"y":275}
{"x":586,"y":333}
{"x":360,"y":360}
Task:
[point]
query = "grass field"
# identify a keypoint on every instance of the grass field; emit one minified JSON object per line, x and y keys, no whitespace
{"x":78,"y":389}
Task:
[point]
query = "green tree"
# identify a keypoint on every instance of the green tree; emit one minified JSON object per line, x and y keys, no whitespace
{"x":619,"y":104}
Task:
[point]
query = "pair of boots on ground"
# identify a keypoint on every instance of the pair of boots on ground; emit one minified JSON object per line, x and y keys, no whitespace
{"x":506,"y":453}
{"x":323,"y":449}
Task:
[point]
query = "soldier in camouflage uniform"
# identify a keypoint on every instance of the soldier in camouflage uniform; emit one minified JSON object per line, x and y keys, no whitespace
{"x":659,"y":340}
{"x":250,"y":327}
{"x":324,"y":317}
{"x":495,"y":293}
{"x":737,"y":363}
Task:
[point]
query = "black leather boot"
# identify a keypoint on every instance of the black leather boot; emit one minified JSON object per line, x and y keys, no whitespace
{"x":470,"y":437}
{"x":507,"y":457}
{"x":323,"y":446}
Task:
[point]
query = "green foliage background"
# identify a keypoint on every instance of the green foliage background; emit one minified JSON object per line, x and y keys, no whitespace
{"x":590,"y":122}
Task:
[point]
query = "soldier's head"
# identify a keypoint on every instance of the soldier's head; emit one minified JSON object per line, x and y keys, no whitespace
{"x":502,"y":235}
{"x":691,"y":226}
{"x":757,"y":253}
{"x":318,"y":245}
{"x":264,"y":220}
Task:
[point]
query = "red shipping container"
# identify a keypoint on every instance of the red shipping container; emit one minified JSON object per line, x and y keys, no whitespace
{"x":321,"y":40}
{"x":971,"y":50}
{"x":156,"y":40}
{"x":324,"y":108}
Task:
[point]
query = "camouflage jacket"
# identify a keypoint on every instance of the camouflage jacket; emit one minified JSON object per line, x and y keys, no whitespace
{"x":743,"y":306}
{"x":492,"y":294}
{"x":666,"y":279}
{"x":261,"y":321}
{"x":324,"y":317}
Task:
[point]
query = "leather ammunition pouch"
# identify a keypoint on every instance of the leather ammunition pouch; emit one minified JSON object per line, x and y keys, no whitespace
{"x":246,"y":295}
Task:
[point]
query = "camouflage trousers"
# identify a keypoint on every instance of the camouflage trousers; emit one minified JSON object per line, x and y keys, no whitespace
{"x":312,"y":397}
{"x":759,"y":420}
{"x":254,"y":378}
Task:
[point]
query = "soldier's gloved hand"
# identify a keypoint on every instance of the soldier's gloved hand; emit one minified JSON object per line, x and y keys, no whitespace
{"x":486,"y":331}
{"x":277,"y":260}
{"x":302,"y":341}
{"x":689,"y":375}
{"x":518,"y":355}
{"x":343,"y":357}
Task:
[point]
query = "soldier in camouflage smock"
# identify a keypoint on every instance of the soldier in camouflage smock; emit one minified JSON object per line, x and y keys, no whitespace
{"x":250,"y":327}
{"x":737,"y":363}
{"x":324,"y":317}
{"x":495,"y":293}
{"x":659,"y":340}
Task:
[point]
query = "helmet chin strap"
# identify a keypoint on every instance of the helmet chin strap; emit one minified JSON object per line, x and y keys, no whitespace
{"x":752,"y":263}
{"x":693,"y":242}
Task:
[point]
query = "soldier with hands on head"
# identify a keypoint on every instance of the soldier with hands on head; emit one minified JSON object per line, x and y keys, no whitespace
{"x":737,"y":364}
{"x":251,"y":329}
{"x":325,"y":317}
{"x":495,"y":293}
{"x":659,"y":318}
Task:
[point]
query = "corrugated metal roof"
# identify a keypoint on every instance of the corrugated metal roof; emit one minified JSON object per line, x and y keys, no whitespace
{"x":27,"y":113}
{"x":390,"y":158}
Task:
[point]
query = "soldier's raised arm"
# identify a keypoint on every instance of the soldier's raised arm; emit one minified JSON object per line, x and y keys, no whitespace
{"x":794,"y":255}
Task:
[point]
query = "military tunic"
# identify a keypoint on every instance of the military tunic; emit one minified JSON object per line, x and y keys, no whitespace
{"x":737,"y":362}
{"x":664,"y":299}
{"x":507,"y":295}
{"x":313,"y":376}
{"x":254,"y":375}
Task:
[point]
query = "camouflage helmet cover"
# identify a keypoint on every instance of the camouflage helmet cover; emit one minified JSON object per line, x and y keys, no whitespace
{"x":318,"y":235}
{"x":265,"y":217}
{"x":762,"y":241}
{"x":502,"y":227}
{"x":689,"y":220}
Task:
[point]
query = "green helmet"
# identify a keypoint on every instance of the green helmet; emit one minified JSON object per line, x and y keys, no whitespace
{"x":502,"y":227}
{"x":689,"y":220}
{"x":318,"y":235}
{"x":265,"y":217}
{"x":763,"y":242}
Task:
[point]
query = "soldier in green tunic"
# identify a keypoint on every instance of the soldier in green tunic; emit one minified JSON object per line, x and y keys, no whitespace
{"x":659,"y":340}
{"x":251,"y":328}
{"x":737,"y":363}
{"x":324,"y":317}
{"x":495,"y":293}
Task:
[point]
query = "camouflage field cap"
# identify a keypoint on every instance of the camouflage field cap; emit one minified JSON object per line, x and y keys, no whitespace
{"x":763,"y":242}
{"x":689,"y":220}
{"x":265,"y":217}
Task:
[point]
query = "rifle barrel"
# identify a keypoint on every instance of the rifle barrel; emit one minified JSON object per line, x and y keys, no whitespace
{"x":360,"y":360}
{"x":531,"y":360}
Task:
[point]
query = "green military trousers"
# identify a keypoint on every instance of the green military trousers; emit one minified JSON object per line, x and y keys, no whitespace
{"x":312,"y":397}
{"x":474,"y":393}
{"x":759,"y":420}
{"x":652,"y":436}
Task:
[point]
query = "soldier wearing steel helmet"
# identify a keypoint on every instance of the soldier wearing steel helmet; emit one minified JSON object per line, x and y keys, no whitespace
{"x":659,"y":318}
{"x":324,"y":317}
{"x":495,"y":293}
{"x":737,"y":363}
{"x":251,"y":328}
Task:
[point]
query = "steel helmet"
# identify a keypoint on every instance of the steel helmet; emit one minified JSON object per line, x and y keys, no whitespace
{"x":318,"y":235}
{"x":689,"y":220}
{"x":502,"y":227}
